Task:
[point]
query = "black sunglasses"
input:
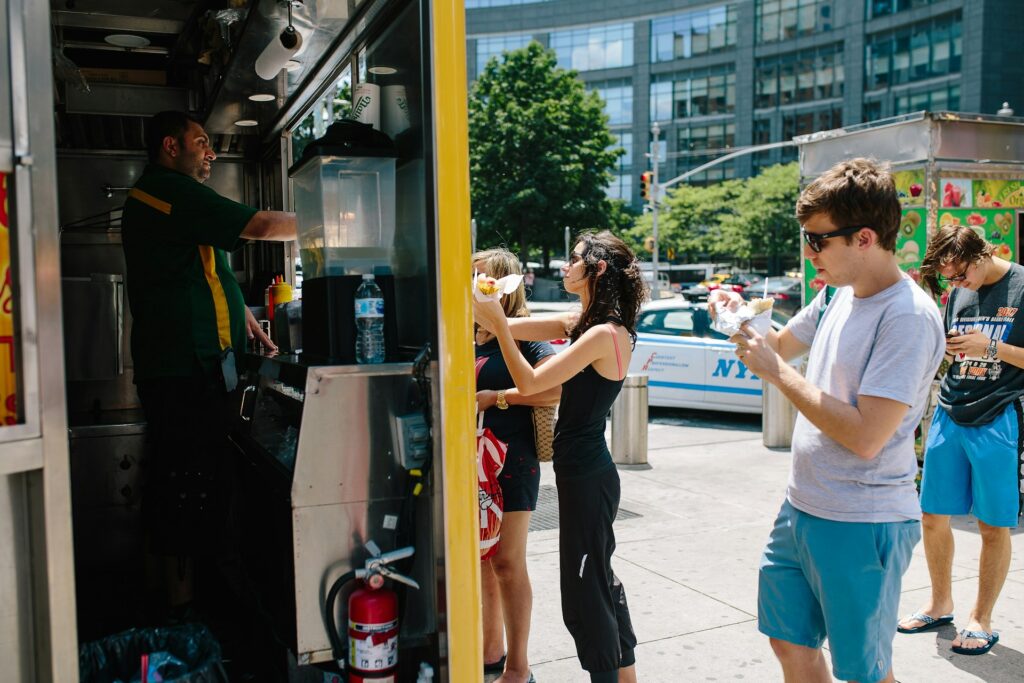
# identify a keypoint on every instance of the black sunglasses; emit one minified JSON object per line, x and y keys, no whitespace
{"x":816,"y":241}
{"x":945,"y":282}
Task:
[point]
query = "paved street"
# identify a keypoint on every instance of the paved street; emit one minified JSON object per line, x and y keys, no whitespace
{"x":689,"y":565}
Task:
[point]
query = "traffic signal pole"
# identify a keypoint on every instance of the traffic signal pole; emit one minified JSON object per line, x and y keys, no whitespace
{"x":656,"y":133}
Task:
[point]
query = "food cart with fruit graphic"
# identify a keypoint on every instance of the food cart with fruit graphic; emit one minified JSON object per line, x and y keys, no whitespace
{"x":949,"y":168}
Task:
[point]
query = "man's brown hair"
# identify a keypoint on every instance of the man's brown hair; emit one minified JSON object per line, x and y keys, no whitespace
{"x":957,"y":244}
{"x":857,"y":192}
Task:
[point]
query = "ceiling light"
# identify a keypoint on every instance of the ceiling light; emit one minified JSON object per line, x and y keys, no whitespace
{"x":262,"y":97}
{"x":246,"y":123}
{"x":382,"y":70}
{"x":126,"y":40}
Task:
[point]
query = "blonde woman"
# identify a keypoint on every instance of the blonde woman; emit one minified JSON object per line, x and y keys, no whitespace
{"x":507,"y":594}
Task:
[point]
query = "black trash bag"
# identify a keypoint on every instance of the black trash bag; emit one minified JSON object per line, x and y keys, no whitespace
{"x":180,"y":654}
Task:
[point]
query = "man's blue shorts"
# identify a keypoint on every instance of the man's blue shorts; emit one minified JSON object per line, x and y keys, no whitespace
{"x":974,"y":469}
{"x":820,"y":578}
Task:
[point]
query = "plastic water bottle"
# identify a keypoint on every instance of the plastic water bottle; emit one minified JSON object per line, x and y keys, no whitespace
{"x":369,"y":322}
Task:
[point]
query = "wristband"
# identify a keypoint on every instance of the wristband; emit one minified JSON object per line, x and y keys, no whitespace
{"x":500,"y":401}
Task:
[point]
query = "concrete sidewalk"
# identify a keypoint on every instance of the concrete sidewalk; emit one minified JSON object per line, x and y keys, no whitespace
{"x":689,"y":564}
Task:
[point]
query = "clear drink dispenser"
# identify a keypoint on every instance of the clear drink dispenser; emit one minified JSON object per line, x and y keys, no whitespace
{"x":345,"y":208}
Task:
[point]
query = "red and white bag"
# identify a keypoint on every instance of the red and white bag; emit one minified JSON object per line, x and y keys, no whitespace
{"x":490,"y":460}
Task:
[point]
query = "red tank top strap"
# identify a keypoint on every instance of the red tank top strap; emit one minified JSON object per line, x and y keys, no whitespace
{"x":615,"y":341}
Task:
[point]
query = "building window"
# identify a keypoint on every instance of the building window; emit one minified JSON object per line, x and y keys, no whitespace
{"x":805,"y":76}
{"x":946,"y":98}
{"x":699,"y":144}
{"x":913,"y":53}
{"x":618,"y":100}
{"x":873,"y":110}
{"x":785,"y":19}
{"x":495,"y":46}
{"x":595,"y":47}
{"x":762,"y":131}
{"x":621,"y":186}
{"x":693,"y":33}
{"x":881,"y":8}
{"x":694,"y":93}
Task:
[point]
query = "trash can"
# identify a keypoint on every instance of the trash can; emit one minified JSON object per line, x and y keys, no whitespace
{"x":181,"y":654}
{"x":778,"y":417}
{"x":629,"y":422}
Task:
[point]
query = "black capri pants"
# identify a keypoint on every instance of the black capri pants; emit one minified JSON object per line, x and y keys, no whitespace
{"x":593,"y":600}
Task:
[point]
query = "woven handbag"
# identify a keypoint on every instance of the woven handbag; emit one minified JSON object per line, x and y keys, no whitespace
{"x":544,"y":431}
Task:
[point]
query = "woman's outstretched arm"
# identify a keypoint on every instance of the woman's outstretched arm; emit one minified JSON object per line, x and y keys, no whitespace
{"x":591,"y":346}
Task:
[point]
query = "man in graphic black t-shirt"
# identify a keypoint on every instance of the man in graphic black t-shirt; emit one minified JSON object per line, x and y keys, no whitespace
{"x":973,"y":458}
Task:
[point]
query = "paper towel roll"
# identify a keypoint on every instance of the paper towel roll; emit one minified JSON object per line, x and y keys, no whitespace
{"x":366,"y":103}
{"x":276,"y":53}
{"x":395,"y":115}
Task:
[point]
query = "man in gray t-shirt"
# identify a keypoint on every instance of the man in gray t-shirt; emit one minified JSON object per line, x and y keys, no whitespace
{"x":973,"y":461}
{"x":843,"y":539}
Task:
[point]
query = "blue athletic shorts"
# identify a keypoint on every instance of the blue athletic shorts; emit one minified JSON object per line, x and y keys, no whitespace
{"x":974,"y":469}
{"x":839,"y":580}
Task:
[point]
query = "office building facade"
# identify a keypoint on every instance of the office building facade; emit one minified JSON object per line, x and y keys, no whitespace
{"x":717,"y":76}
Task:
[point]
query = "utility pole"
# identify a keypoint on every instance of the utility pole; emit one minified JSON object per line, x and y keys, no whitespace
{"x":655,"y":133}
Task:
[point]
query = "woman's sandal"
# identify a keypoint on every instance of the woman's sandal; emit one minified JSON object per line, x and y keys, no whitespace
{"x":495,"y":667}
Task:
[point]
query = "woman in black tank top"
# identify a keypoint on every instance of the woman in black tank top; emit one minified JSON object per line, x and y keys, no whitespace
{"x":604,"y":273}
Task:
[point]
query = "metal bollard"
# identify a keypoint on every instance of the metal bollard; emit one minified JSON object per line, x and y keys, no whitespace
{"x":778,"y":417}
{"x":629,"y":422}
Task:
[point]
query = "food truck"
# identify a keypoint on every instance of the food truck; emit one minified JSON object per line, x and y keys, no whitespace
{"x":351,"y":113}
{"x":950,"y":168}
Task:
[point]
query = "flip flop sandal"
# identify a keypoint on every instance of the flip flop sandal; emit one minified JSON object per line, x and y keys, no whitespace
{"x":991,"y":638}
{"x":929,"y":622}
{"x":495,"y":667}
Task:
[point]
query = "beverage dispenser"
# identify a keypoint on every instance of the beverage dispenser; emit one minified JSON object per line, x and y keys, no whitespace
{"x":344,"y":197}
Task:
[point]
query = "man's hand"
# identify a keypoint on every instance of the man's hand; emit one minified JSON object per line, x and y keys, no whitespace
{"x":755,"y":352}
{"x":732,"y":301}
{"x":254,"y":331}
{"x":972,"y":343}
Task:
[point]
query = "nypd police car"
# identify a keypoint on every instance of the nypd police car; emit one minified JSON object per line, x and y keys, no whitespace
{"x":688,"y":364}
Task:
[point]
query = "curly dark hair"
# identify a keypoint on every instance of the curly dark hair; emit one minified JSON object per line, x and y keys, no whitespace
{"x":617,"y":293}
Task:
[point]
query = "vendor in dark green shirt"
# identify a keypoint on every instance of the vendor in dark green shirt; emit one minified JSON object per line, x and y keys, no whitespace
{"x":190,"y":322}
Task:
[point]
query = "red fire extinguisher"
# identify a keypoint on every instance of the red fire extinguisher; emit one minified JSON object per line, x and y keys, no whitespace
{"x":372,"y":618}
{"x":372,"y":634}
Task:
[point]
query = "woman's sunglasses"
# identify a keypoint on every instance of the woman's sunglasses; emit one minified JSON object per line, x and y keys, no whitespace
{"x":816,"y":241}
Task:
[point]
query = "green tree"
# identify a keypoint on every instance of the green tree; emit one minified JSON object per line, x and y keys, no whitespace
{"x":540,"y":153}
{"x":737,"y":219}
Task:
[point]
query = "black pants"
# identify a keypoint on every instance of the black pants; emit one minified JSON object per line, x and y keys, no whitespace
{"x":593,"y":600}
{"x":189,"y":479}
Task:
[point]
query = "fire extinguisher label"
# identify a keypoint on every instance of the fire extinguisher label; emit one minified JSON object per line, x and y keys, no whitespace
{"x":373,"y":647}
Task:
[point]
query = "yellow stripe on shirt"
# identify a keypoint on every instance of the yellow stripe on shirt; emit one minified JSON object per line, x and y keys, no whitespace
{"x":220,"y":301}
{"x":150,"y":201}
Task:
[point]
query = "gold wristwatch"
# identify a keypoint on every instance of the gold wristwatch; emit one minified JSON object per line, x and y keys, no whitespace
{"x":500,"y":401}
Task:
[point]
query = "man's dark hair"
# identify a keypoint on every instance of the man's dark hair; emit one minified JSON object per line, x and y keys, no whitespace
{"x":958,"y":245}
{"x":855,"y":192}
{"x":173,"y":123}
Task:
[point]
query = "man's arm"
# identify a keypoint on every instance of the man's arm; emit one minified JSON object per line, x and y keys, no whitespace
{"x":864,"y":428}
{"x":278,"y":226}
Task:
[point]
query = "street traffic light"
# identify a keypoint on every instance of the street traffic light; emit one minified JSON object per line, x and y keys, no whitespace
{"x":645,"y":186}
